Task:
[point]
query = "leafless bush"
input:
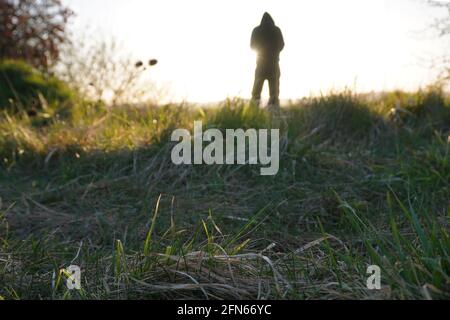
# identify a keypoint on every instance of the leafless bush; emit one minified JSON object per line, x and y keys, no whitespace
{"x":441,"y":26}
{"x":102,"y":70}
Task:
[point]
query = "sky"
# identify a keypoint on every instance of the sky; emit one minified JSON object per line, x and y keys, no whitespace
{"x":203,"y":46}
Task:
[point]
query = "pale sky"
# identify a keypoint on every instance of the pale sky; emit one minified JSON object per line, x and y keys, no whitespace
{"x":203,"y":45}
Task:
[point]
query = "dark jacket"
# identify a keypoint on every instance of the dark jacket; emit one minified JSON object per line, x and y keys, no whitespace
{"x":267,"y":40}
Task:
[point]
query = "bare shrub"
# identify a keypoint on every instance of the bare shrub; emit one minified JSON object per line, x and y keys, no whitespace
{"x":104,"y":71}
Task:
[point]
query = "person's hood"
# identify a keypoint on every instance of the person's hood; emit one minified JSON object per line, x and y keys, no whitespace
{"x":267,"y":20}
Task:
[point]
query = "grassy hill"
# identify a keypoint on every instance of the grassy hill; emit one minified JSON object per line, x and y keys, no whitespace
{"x":362,"y":181}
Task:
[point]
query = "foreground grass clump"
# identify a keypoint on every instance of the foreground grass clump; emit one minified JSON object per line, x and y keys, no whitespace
{"x":357,"y":186}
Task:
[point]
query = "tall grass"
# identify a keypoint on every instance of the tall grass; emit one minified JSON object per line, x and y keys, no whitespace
{"x":359,"y":184}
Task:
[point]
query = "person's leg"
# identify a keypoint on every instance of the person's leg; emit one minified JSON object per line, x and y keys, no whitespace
{"x":274,"y":87}
{"x":257,"y":87}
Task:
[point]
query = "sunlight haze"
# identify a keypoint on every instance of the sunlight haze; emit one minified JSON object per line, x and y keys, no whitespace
{"x":203,"y":46}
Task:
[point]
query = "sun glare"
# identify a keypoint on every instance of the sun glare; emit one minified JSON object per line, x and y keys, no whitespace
{"x":204,"y":54}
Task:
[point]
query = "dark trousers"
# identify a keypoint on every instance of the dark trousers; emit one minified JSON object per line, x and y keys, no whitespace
{"x":270,"y":72}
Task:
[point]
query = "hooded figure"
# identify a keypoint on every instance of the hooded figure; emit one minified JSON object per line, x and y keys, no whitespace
{"x":267,"y":41}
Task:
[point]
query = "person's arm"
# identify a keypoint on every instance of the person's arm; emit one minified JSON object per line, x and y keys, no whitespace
{"x":253,"y":41}
{"x":280,"y":41}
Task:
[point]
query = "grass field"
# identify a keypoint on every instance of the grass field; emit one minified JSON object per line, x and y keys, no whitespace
{"x":359,"y":184}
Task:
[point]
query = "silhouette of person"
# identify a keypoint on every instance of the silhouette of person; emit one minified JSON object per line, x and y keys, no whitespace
{"x":267,"y":40}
